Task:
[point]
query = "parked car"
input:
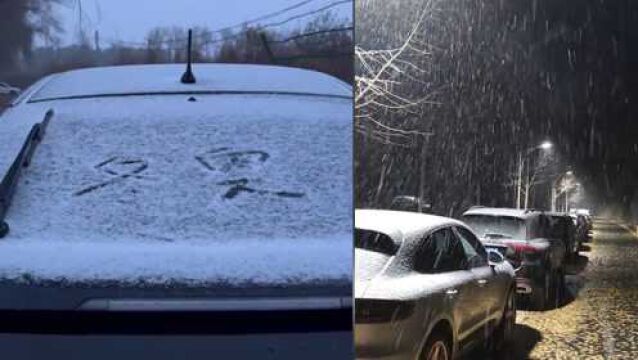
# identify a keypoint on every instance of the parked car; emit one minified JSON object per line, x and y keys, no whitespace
{"x":562,"y":227}
{"x":126,"y":190}
{"x":538,"y":260}
{"x":7,"y":94}
{"x":583,"y":233}
{"x":426,"y":288}
{"x":8,"y":89}
{"x":587,"y":216}
{"x":409,"y":203}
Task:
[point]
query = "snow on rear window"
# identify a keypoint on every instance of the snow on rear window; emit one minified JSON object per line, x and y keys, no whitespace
{"x":224,"y":169}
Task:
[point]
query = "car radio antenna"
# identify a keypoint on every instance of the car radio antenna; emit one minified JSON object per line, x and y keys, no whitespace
{"x":188,"y":77}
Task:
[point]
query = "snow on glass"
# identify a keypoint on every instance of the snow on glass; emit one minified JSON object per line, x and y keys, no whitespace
{"x":227,"y":188}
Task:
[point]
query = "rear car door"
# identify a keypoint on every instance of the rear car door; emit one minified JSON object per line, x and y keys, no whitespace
{"x":442,"y":254}
{"x":486,"y":283}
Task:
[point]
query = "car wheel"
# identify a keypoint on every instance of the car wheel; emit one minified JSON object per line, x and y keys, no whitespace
{"x":541,"y":293}
{"x":559,"y":286}
{"x":437,"y":348}
{"x":504,"y":331}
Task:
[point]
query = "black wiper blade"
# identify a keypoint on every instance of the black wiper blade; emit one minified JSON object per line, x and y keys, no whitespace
{"x":10,"y":179}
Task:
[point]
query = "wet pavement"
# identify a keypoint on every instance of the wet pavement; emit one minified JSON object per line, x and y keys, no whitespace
{"x":598,"y":316}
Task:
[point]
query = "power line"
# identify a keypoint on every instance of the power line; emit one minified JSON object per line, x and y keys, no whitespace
{"x":313,"y":33}
{"x":267,"y":16}
{"x":257,"y":28}
{"x":283,"y":22}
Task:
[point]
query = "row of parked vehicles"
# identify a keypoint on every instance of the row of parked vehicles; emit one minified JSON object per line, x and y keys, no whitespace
{"x":430,"y":287}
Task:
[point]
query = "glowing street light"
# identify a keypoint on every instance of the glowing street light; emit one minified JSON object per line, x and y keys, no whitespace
{"x":546,"y":145}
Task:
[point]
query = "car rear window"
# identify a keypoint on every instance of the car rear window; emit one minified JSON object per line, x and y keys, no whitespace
{"x":374,"y":241}
{"x":226,"y":188}
{"x":490,"y":226}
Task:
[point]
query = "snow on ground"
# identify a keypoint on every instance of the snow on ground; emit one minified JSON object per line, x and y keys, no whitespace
{"x":229,"y":188}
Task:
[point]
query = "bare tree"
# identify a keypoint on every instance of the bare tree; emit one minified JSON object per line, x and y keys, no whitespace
{"x":380,"y":74}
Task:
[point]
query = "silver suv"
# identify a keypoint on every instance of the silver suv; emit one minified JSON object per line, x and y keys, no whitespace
{"x":523,"y":236}
{"x":425,"y":287}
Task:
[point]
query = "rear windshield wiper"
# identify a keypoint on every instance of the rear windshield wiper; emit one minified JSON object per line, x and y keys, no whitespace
{"x":10,"y":179}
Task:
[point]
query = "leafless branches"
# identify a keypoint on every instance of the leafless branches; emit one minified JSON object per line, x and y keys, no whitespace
{"x":381,"y":74}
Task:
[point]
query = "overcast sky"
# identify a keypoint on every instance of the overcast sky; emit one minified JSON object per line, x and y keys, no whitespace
{"x":130,"y":20}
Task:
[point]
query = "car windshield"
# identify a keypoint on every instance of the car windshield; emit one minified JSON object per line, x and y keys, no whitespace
{"x":495,"y":227}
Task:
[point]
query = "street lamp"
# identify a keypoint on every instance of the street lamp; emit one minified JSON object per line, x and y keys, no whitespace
{"x":565,"y":190}
{"x":545,"y":145}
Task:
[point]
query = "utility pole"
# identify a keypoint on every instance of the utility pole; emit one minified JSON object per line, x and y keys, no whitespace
{"x":97,"y":41}
{"x":422,"y":167}
{"x":519,"y":180}
{"x":553,"y":196}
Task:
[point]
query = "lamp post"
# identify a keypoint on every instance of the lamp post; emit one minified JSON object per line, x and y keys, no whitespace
{"x":565,"y":189}
{"x":545,"y":145}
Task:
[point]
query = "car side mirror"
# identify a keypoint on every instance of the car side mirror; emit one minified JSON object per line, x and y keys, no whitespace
{"x":494,"y":257}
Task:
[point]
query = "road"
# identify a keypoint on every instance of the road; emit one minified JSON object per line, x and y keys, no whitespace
{"x":598,"y":318}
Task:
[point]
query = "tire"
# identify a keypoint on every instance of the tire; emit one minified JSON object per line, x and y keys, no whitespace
{"x":438,"y":347}
{"x":504,"y":332}
{"x":541,"y":293}
{"x":559,"y":287}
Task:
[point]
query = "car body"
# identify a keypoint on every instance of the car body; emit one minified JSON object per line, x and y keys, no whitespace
{"x":587,"y":216}
{"x":228,"y":195}
{"x":407,"y":299}
{"x":537,"y":258}
{"x":562,"y":227}
{"x":409,"y":203}
{"x":583,"y":228}
{"x":7,"y":94}
{"x":6,"y":89}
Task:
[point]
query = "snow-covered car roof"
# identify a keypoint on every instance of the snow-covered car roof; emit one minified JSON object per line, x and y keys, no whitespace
{"x":232,"y":187}
{"x":400,"y":225}
{"x":516,"y":213}
{"x":555,"y":213}
{"x":165,"y":79}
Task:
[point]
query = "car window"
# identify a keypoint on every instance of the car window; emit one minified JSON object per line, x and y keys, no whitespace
{"x":374,"y":241}
{"x":537,"y":228}
{"x":474,"y":250}
{"x":440,"y":252}
{"x":494,"y":226}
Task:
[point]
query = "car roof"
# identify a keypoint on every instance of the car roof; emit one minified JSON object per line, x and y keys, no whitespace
{"x":400,"y":224}
{"x":165,"y":79}
{"x":555,"y":214}
{"x":510,"y":212}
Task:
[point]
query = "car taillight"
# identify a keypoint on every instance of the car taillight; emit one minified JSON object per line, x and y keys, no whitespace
{"x":378,"y":311}
{"x":520,"y":252}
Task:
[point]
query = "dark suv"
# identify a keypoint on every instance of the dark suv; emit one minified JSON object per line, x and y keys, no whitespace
{"x":522,"y":236}
{"x":562,"y":227}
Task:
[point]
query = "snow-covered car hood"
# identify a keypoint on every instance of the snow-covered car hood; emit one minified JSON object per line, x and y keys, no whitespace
{"x":227,"y":188}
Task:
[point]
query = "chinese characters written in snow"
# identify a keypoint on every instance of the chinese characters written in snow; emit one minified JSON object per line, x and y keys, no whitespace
{"x":224,"y":161}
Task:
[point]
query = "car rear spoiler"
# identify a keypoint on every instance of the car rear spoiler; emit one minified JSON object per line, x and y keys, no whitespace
{"x":10,"y":179}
